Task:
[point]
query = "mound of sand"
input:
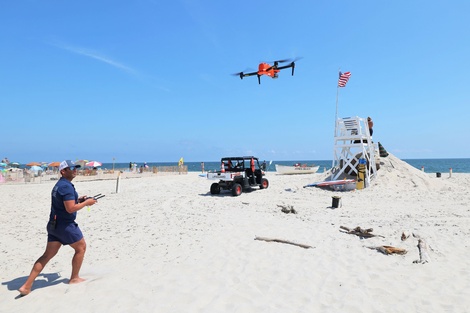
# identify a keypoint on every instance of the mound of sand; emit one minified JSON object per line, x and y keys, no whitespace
{"x":402,"y":176}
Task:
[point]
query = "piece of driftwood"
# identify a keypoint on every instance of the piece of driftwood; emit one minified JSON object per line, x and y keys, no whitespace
{"x":283,"y":241}
{"x":389,"y":250}
{"x":423,"y":250}
{"x":287,"y":209}
{"x":358,"y":231}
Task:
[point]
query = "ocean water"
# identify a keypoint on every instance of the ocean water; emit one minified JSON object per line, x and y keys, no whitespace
{"x":430,"y":165}
{"x":441,"y":165}
{"x":215,"y":166}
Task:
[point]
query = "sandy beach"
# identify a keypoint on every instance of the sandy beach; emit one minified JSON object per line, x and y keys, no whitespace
{"x":165,"y":244}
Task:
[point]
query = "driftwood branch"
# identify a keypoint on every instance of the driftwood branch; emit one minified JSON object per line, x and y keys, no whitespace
{"x":283,"y":241}
{"x":358,"y":231}
{"x":287,"y":209}
{"x":389,"y":250}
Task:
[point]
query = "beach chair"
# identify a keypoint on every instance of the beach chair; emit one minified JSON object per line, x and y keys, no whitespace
{"x":352,"y":143}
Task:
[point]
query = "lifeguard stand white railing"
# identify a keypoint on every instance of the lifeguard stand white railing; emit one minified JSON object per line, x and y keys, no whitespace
{"x":353,"y":142}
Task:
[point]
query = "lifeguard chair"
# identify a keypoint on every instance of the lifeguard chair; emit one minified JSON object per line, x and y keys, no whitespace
{"x":353,"y":142}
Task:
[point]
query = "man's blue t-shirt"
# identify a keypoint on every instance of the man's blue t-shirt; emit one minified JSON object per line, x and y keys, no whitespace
{"x":63,"y":190}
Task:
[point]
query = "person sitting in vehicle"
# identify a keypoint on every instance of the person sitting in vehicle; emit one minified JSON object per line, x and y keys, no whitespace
{"x":263,"y":166}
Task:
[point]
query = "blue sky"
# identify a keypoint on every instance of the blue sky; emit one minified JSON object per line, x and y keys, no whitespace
{"x":151,"y":80}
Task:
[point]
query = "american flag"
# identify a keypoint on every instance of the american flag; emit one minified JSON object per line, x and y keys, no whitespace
{"x":343,"y":79}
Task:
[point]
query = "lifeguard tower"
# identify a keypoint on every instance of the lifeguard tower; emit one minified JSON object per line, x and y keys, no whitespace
{"x":352,"y":143}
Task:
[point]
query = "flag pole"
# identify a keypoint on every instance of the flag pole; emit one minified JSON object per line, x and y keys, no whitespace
{"x":337,"y":96}
{"x":336,"y":114}
{"x":336,"y":119}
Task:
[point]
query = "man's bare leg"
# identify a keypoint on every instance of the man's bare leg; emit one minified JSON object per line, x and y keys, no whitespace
{"x":77,"y":260}
{"x":51,"y":250}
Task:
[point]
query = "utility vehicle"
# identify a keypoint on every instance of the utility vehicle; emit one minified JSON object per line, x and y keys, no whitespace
{"x":238,"y":174}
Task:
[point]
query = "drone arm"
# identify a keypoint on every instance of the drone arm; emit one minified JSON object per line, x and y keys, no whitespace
{"x":286,"y":66}
{"x":248,"y":74}
{"x":292,"y":65}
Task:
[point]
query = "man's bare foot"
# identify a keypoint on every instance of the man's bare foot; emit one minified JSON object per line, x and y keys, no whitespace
{"x":24,"y":291}
{"x":76,"y":280}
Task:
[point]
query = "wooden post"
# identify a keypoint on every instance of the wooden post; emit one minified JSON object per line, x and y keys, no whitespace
{"x":117,"y":182}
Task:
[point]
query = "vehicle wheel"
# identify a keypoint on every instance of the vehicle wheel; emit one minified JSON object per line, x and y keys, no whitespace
{"x":236,"y":190}
{"x":215,"y":189}
{"x":264,"y":183}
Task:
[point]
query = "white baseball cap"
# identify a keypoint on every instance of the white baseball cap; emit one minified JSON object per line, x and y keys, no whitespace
{"x":67,"y":163}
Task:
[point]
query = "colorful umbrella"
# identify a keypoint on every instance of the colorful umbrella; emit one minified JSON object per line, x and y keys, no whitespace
{"x":36,"y":168}
{"x":81,"y":162}
{"x":54,"y":164}
{"x":33,"y":164}
{"x":94,"y":164}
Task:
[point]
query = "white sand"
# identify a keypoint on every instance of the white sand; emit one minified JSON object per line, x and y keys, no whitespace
{"x":164,"y":244}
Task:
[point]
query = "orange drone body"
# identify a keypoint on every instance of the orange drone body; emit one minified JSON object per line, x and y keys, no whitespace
{"x":269,"y":70}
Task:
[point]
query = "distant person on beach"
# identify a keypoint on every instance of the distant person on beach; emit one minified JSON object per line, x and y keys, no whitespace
{"x":370,"y":123}
{"x":202,"y":167}
{"x":130,"y":166}
{"x":61,"y":228}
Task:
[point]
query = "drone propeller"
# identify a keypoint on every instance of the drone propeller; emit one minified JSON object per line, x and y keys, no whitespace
{"x":291,"y":65}
{"x":276,"y":63}
{"x":282,"y":61}
{"x":297,"y":58}
{"x":238,"y":74}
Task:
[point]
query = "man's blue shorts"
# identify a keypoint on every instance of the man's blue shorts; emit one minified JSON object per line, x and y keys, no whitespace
{"x":66,"y":234}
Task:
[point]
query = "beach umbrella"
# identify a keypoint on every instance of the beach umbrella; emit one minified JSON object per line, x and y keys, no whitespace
{"x":94,"y":164}
{"x":81,"y":162}
{"x":36,"y":168}
{"x":3,"y":164}
{"x":33,"y":164}
{"x":15,"y":164}
{"x":54,"y":164}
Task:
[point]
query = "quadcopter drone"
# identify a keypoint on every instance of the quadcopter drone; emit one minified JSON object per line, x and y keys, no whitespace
{"x":270,"y":70}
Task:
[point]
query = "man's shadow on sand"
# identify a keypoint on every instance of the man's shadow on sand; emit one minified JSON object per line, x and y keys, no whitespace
{"x":48,"y":280}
